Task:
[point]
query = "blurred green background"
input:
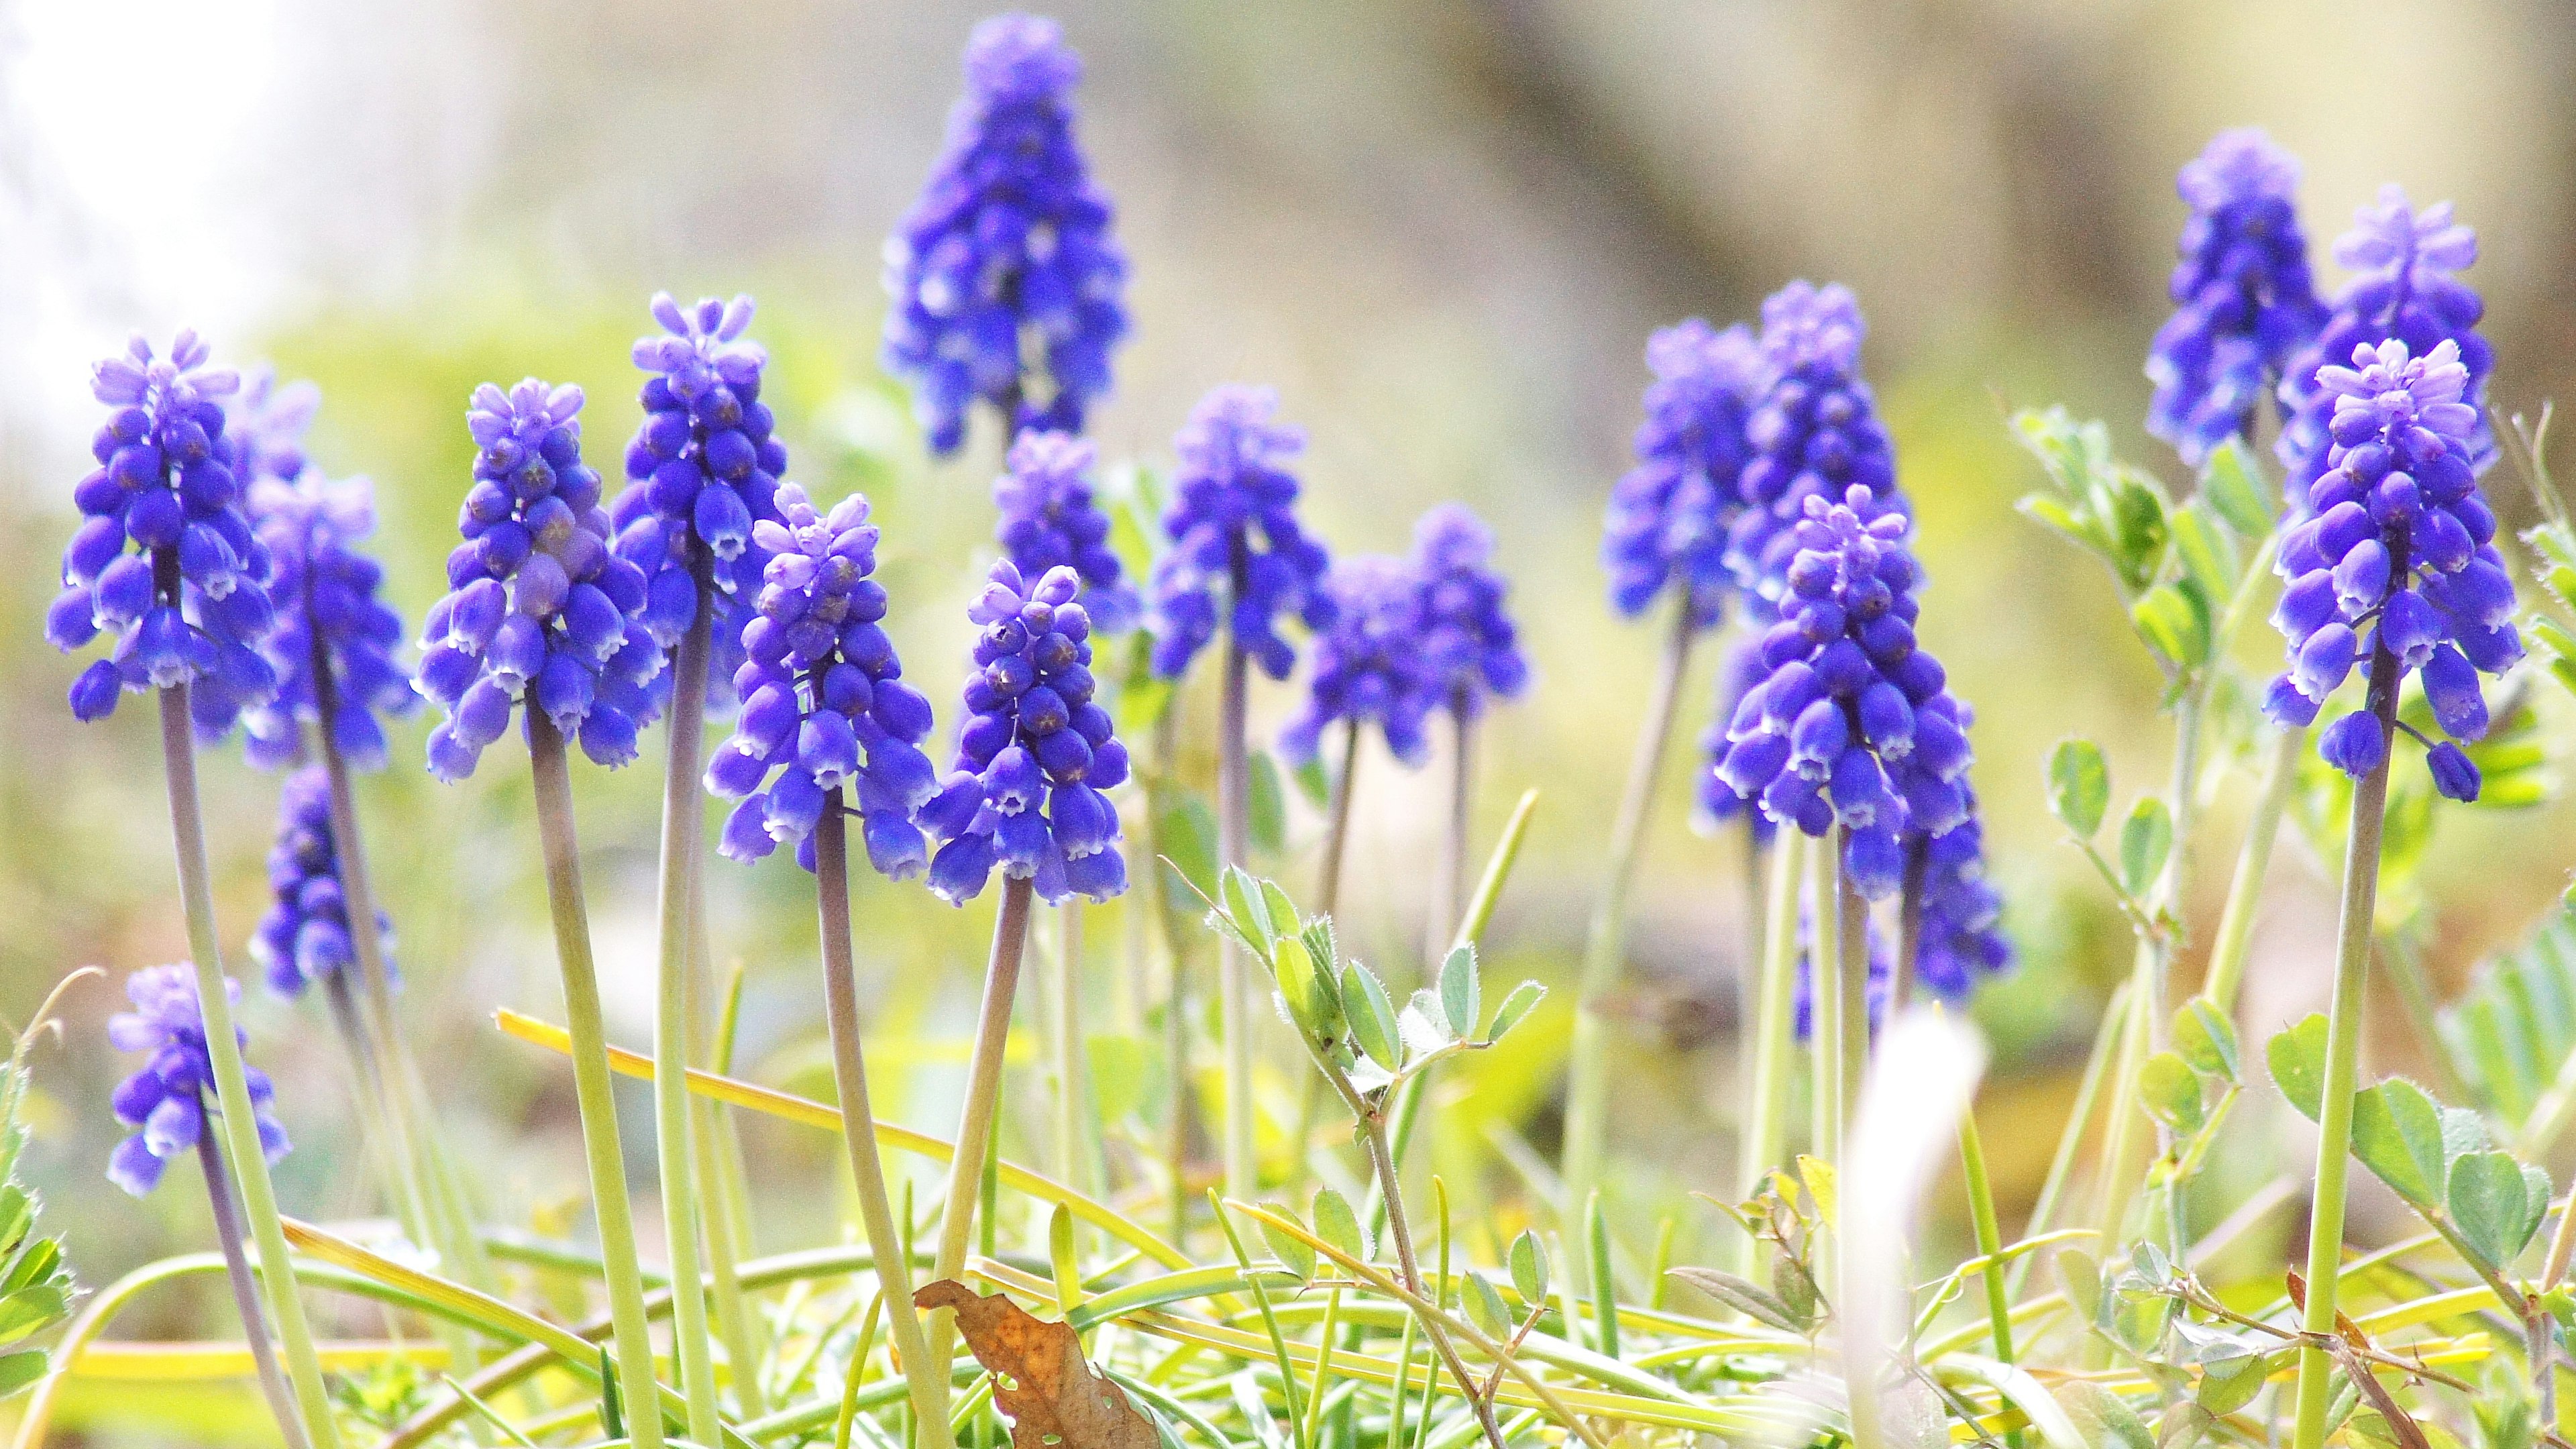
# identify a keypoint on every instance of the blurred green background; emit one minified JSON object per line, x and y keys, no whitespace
{"x":1442,"y":228}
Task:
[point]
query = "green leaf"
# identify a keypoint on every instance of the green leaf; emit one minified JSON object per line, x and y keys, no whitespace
{"x":1336,"y":1224}
{"x":1485,"y":1306}
{"x":2297,"y":1058}
{"x":2493,"y":1206}
{"x":2139,"y":531}
{"x":2146,"y":838}
{"x":1460,"y":991}
{"x":29,"y":1309}
{"x":1188,"y":831}
{"x":1522,"y":1000}
{"x":20,"y":1371}
{"x":1249,"y":912}
{"x":1306,"y":978}
{"x":1266,"y":805}
{"x":2227,"y":1385}
{"x":2170,"y":1090}
{"x":2207,"y":550}
{"x":1285,"y":919}
{"x":2397,"y":1134}
{"x":2206,"y":1038}
{"x":1372,"y":1016}
{"x":2104,"y":1419}
{"x":1314,"y":782}
{"x":2175,"y":621}
{"x":2233,"y":481}
{"x":2079,"y":786}
{"x":1294,"y":1253}
{"x":1745,"y":1297}
{"x":1528,"y":1260}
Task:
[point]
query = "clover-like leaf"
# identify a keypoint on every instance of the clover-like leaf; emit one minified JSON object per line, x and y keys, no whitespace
{"x":1461,"y":1000}
{"x":2079,"y":786}
{"x":2297,"y":1058}
{"x":2146,"y":838}
{"x":1522,"y":1000}
{"x":2397,"y":1134}
{"x":1372,"y":1016}
{"x":1528,"y":1262}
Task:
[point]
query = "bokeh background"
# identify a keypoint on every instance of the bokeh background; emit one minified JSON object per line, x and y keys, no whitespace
{"x":1442,"y":228}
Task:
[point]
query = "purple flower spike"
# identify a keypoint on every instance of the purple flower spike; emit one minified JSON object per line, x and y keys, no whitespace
{"x":165,"y":561}
{"x":327,"y":601}
{"x":1236,"y":543}
{"x":167,"y":1101}
{"x":305,"y":936}
{"x":1050,"y":520}
{"x":1033,"y":755}
{"x":1468,"y":638}
{"x":1004,"y":272}
{"x":1371,"y":665}
{"x":2396,"y":559}
{"x":1814,"y":433}
{"x":2244,"y":303}
{"x":1670,"y":514}
{"x":542,"y":613}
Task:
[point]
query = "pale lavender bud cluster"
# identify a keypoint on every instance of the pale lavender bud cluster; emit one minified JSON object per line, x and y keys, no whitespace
{"x":305,"y":936}
{"x":166,"y":1101}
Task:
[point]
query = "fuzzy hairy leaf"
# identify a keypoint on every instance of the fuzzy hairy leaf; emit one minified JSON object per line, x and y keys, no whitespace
{"x":1744,"y":1296}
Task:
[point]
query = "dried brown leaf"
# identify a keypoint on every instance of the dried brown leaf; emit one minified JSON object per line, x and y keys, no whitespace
{"x":1053,"y":1397}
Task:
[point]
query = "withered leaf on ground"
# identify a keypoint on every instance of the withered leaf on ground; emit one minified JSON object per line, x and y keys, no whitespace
{"x":1053,"y":1398}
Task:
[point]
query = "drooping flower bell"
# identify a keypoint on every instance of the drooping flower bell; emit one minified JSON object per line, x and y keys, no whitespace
{"x":2402,"y":288}
{"x":168,"y":1099}
{"x":703,"y":469}
{"x":1468,"y":637}
{"x":1236,"y":543}
{"x":1033,"y":755}
{"x":1853,"y":723}
{"x":1669,"y":515}
{"x":1815,"y":433}
{"x":1373,"y":664}
{"x":824,"y":705}
{"x":1050,"y":519}
{"x":165,"y":561}
{"x":542,"y":613}
{"x":1718,"y":800}
{"x":2244,"y":302}
{"x":1960,"y":939}
{"x":2396,"y":560}
{"x":305,"y":936}
{"x":1005,"y":280}
{"x":329,"y":610}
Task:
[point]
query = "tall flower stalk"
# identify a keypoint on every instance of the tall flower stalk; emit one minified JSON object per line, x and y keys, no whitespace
{"x":1472,"y":650}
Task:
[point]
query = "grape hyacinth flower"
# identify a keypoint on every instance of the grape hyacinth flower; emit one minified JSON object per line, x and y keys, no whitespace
{"x":1718,"y":801}
{"x":1467,"y":638}
{"x":1958,"y":939}
{"x":305,"y":936}
{"x":1853,"y":724}
{"x":1882,"y":979}
{"x":1372,"y":665}
{"x":824,"y":706}
{"x":328,"y":613}
{"x":165,"y":1101}
{"x":1050,"y":520}
{"x":2244,"y":303}
{"x":188,"y":603}
{"x":1033,"y":737}
{"x":1004,"y":270}
{"x":1670,"y":514}
{"x":265,"y":424}
{"x":542,"y":613}
{"x":2402,"y":289}
{"x":1236,"y":543}
{"x":1814,"y":433}
{"x":2396,"y":569}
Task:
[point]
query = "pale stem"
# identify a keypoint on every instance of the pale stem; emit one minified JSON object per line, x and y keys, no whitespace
{"x":2253,"y":859}
{"x":715,"y":1150}
{"x":683,"y":823}
{"x":1450,"y":882}
{"x":1073,"y":1120}
{"x":1774,"y":1025}
{"x":1233,"y":822}
{"x":254,"y":1321}
{"x":1825,"y":998}
{"x":1337,"y":831}
{"x":976,"y":1123}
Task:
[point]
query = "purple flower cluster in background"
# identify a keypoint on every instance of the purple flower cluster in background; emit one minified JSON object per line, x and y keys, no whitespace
{"x":1033,"y":754}
{"x":305,"y":937}
{"x":1050,"y":519}
{"x":1236,"y":543}
{"x":165,"y":1100}
{"x":542,"y":612}
{"x":1468,"y":638}
{"x":1959,"y":938}
{"x":2244,"y":303}
{"x":1814,"y":433}
{"x":1005,"y":269}
{"x":329,"y":610}
{"x":824,"y":707}
{"x":165,"y":561}
{"x":2396,"y":559}
{"x":264,"y":426}
{"x":1670,"y":515}
{"x":2402,"y":289}
{"x":1371,"y":665}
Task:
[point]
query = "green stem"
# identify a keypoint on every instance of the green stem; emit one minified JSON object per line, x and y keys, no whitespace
{"x":1825,"y":999}
{"x":1990,"y":1237}
{"x":2061,"y":1167}
{"x":683,"y":824}
{"x":591,"y":1084}
{"x":2253,"y":859}
{"x":1337,"y":832}
{"x":2343,"y":1062}
{"x":254,"y":1321}
{"x":1851,"y":974}
{"x":1233,"y":827}
{"x":1605,"y":941}
{"x":1449,"y":881}
{"x":1176,"y":941}
{"x":714,"y":1148}
{"x":232,"y":1084}
{"x":923,"y":1377}
{"x":1074,"y":1124}
{"x":1774,"y":1026}
{"x":975,"y":1124}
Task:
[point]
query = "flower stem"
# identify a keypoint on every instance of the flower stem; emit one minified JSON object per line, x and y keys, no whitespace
{"x":1851,"y":977}
{"x":232,"y":1084}
{"x":1233,"y":827}
{"x":1073,"y":1119}
{"x":981,"y":1114}
{"x":589,"y":1039}
{"x":1337,"y":833}
{"x":719,"y":1167}
{"x":228,"y":1234}
{"x":1605,"y":941}
{"x":2245,"y":890}
{"x":1774,"y":1041}
{"x":1825,"y":998}
{"x":1449,"y":884}
{"x":683,"y":823}
{"x":1989,"y":1230}
{"x":2343,"y":1062}
{"x":928,"y":1385}
{"x":1176,"y":943}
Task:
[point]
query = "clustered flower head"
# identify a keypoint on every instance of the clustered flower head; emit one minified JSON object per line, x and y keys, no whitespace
{"x":188,"y":602}
{"x":1008,"y":252}
{"x":1814,"y":433}
{"x":703,"y":470}
{"x":1051,"y":520}
{"x":1034,"y":753}
{"x":1853,"y":724}
{"x":1371,"y":664}
{"x":1670,"y":514}
{"x":2244,"y":303}
{"x":1718,"y":800}
{"x":166,"y":1100}
{"x":1467,"y":638}
{"x":264,"y":426}
{"x":1236,"y":544}
{"x":1959,"y":938}
{"x":824,"y":706}
{"x":305,"y":936}
{"x":542,"y":612}
{"x":2397,"y":560}
{"x":328,"y":608}
{"x":2402,"y":289}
